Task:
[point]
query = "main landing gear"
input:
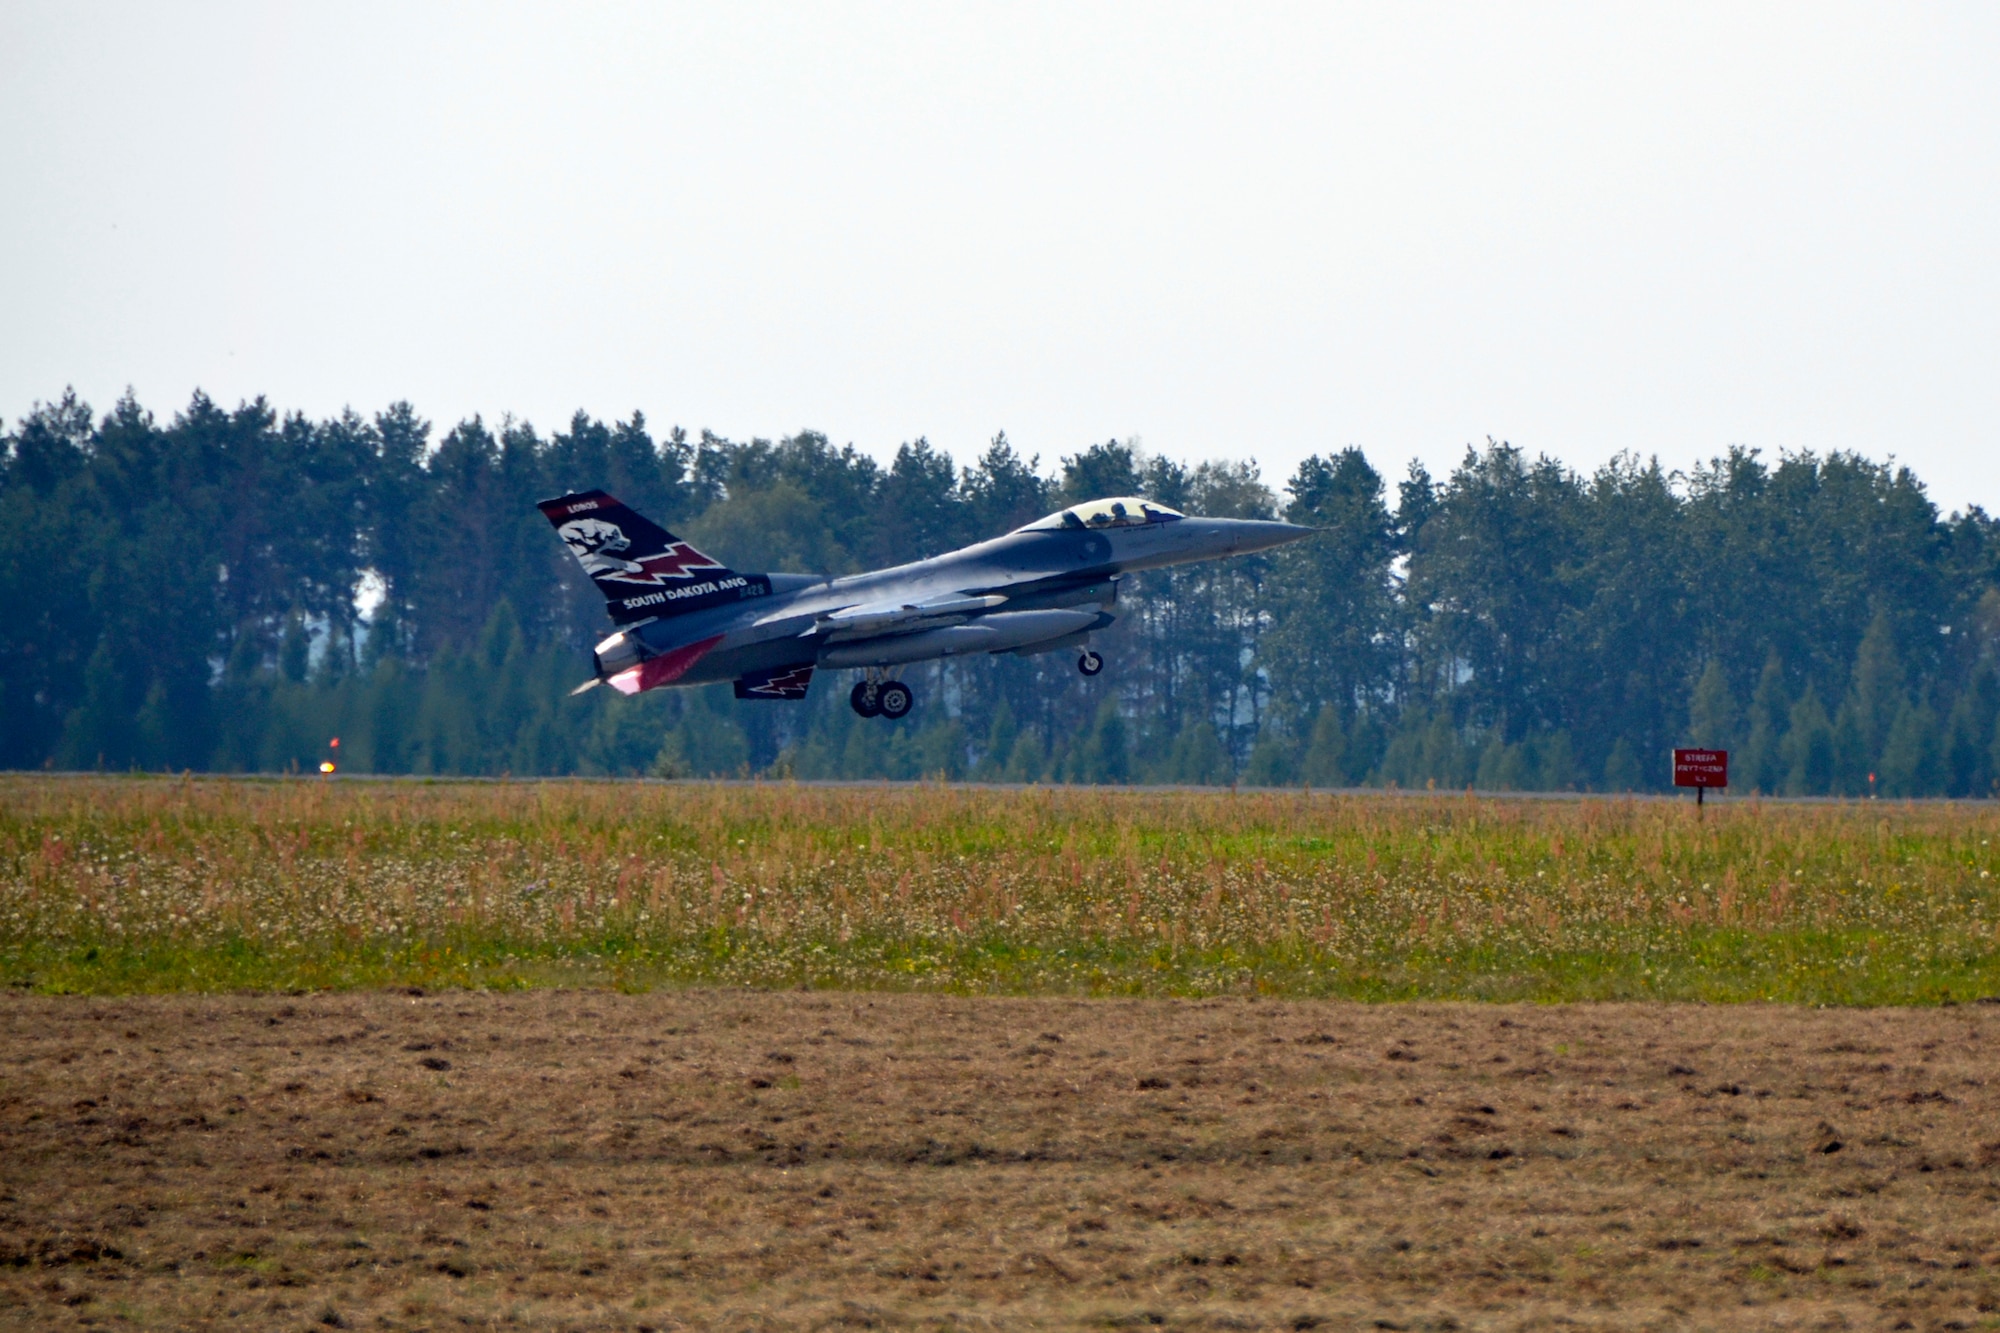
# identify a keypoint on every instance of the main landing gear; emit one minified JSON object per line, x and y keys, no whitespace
{"x":1090,"y":663}
{"x":874,"y":697}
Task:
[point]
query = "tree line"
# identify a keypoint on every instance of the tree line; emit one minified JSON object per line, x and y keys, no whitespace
{"x":230,"y":590}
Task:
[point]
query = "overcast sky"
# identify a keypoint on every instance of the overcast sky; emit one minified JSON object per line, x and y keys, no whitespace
{"x":1242,"y":231}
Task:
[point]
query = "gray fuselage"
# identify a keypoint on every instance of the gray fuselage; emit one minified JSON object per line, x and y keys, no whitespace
{"x":798,"y":623}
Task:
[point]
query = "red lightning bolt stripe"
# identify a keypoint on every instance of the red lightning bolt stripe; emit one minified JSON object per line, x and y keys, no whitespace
{"x":678,"y":561}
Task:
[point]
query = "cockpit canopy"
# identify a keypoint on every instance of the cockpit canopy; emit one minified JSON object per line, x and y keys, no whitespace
{"x":1124,"y":511}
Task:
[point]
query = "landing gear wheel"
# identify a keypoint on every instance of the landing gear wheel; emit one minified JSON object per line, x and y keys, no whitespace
{"x":867,"y":698}
{"x":894,"y":699}
{"x":1090,"y":663}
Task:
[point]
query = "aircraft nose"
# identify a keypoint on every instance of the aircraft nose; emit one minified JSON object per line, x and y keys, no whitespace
{"x":1261,"y":535}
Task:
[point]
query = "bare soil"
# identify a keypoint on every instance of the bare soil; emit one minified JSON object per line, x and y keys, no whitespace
{"x":592,"y":1160}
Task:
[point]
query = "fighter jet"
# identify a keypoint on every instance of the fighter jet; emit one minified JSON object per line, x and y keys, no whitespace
{"x":685,"y":619}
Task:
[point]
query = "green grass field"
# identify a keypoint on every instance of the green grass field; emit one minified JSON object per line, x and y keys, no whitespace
{"x":158,"y":884}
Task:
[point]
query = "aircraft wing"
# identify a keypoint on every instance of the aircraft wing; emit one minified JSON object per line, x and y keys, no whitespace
{"x":873,"y":619}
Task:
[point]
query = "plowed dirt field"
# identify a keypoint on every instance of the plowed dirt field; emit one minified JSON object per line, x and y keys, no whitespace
{"x":593,"y":1160}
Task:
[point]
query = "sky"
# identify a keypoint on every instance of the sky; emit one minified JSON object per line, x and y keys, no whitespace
{"x":1231,"y":231}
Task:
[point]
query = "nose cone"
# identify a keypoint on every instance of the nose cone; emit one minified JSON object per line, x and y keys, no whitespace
{"x":1246,"y":534}
{"x":1186,"y":540}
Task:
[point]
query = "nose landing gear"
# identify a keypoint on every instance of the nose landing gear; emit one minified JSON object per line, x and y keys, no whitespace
{"x":874,"y":697}
{"x":1090,"y":663}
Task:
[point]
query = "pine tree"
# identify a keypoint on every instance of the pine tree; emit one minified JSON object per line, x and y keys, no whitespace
{"x":671,"y":760}
{"x":999,"y":743}
{"x":1324,"y":764}
{"x":1712,"y":710}
{"x":1103,"y":757}
{"x":1445,"y":760}
{"x":1854,"y":764}
{"x":715,"y":744}
{"x":939,"y":749}
{"x":1875,"y":698}
{"x":388,"y":711}
{"x":295,"y":650}
{"x":1197,"y":756}
{"x":1912,"y":756}
{"x":1330,"y":598}
{"x":1554,"y":762}
{"x":1808,"y":748}
{"x":864,"y":755}
{"x":1002,"y":491}
{"x":1367,"y":735}
{"x":504,"y":704}
{"x":1968,"y":767}
{"x":153,"y":728}
{"x":1100,"y":471}
{"x":1271,"y":761}
{"x":1763,"y":767}
{"x":1028,"y":761}
{"x":99,"y":732}
{"x":1621,"y":768}
{"x":1517,"y":768}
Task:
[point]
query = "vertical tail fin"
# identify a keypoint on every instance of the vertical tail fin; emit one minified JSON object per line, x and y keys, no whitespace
{"x":642,"y":569}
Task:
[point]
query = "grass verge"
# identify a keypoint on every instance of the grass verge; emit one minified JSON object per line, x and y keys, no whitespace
{"x":131,"y":885}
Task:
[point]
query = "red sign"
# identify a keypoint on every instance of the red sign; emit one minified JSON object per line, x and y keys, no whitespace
{"x":1701,"y":768}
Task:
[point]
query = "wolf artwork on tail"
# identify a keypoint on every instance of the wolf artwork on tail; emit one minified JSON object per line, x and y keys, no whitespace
{"x":638,"y":565}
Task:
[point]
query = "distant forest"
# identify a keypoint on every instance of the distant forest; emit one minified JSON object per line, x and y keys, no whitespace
{"x":230,"y":590}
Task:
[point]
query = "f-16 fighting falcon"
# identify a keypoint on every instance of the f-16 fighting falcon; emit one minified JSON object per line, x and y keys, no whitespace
{"x":684,"y":619}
